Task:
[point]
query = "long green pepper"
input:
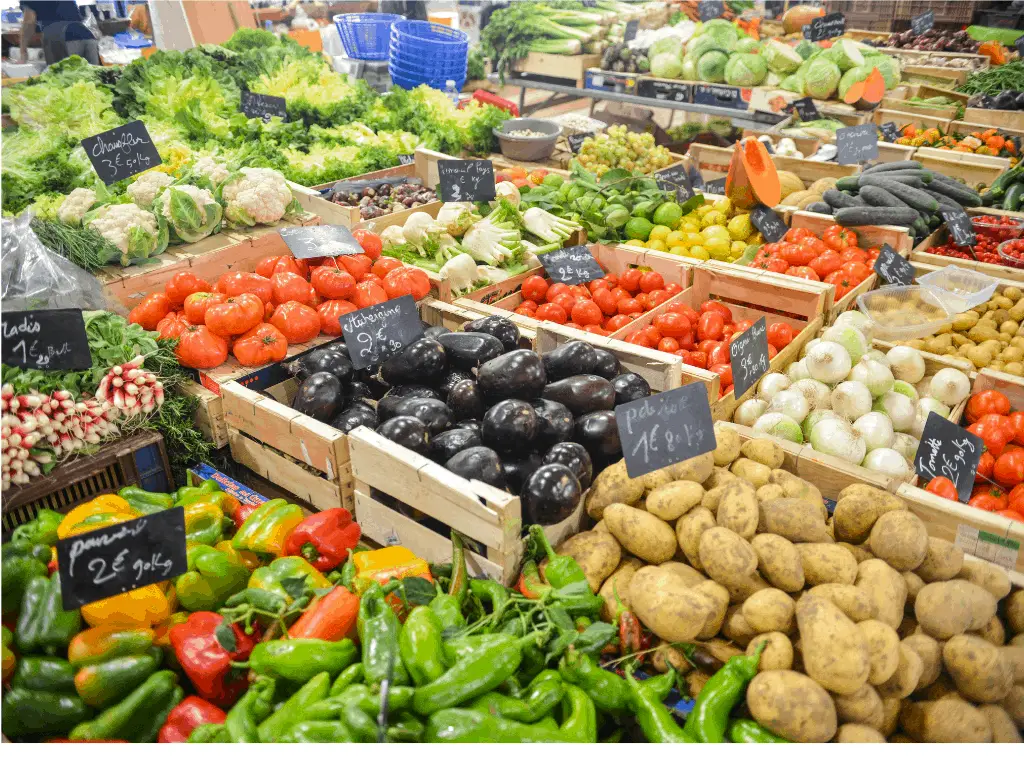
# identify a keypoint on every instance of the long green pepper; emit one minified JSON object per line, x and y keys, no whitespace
{"x":293,"y":710}
{"x":709,"y":719}
{"x":379,"y":632}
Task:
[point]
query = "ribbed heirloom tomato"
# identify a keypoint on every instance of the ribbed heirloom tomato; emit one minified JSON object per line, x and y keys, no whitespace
{"x":333,"y":283}
{"x":150,"y":311}
{"x":197,"y":304}
{"x":273,"y":265}
{"x":407,"y":281}
{"x":382,"y":266}
{"x":181,"y":286}
{"x":371,"y":242}
{"x":262,"y":345}
{"x":330,"y":312}
{"x":172,"y":325}
{"x":199,"y":347}
{"x":368,"y":293}
{"x":290,"y":287}
{"x":237,"y":283}
{"x":297,"y":322}
{"x":357,"y":265}
{"x":235,"y":315}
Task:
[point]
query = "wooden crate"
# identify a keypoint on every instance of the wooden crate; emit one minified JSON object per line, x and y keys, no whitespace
{"x":965,"y":126}
{"x":916,"y":108}
{"x":551,"y":65}
{"x":353,"y":211}
{"x":998,"y":117}
{"x":209,"y":418}
{"x":910,"y":57}
{"x":923,"y":255}
{"x":490,"y":518}
{"x":713,"y":163}
{"x":902,"y":119}
{"x":935,"y":74}
{"x":973,"y":170}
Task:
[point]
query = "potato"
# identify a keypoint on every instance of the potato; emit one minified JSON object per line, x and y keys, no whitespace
{"x":713,"y":497}
{"x":947,"y":608}
{"x":666,"y":606}
{"x":618,"y":582}
{"x":980,"y":671}
{"x":738,"y":509}
{"x":827,"y":564}
{"x":798,"y":520}
{"x":914,"y":584}
{"x":834,"y":651}
{"x":777,"y":653}
{"x":887,"y":589}
{"x":942,"y":688}
{"x":744,"y":586}
{"x":736,"y":628}
{"x":851,"y":600}
{"x":727,"y":557}
{"x":942,"y":561}
{"x":858,"y":507}
{"x":779,"y":562}
{"x":987,"y":576}
{"x":695,"y":682}
{"x":698,"y":469}
{"x":1003,"y":729}
{"x":1014,"y":608}
{"x":690,"y":575}
{"x":689,"y":528}
{"x":719,"y":599}
{"x":859,"y":552}
{"x":906,"y":677}
{"x":728,"y":447}
{"x":1017,"y":641}
{"x":641,"y":533}
{"x":945,"y":722}
{"x":764,"y":451}
{"x":792,"y":705}
{"x":993,"y":631}
{"x":1014,"y":656}
{"x":883,"y":649}
{"x":754,"y":473}
{"x":1014,"y":705}
{"x":769,"y":492}
{"x":613,"y":486}
{"x":797,"y":488}
{"x":930,"y":653}
{"x":862,"y":706}
{"x":890,"y":714}
{"x":657,"y":478}
{"x":900,"y":538}
{"x":597,"y":553}
{"x":855,"y":733}
{"x":674,"y":499}
{"x":720,"y":477}
{"x":770,"y":610}
{"x":667,"y":657}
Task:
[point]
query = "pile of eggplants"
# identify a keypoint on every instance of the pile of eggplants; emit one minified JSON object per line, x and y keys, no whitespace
{"x":539,"y":426}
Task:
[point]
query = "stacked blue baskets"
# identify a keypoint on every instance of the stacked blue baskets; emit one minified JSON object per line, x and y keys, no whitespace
{"x":424,"y":52}
{"x":366,"y":35}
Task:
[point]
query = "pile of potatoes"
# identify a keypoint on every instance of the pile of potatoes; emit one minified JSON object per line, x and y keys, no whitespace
{"x":873,"y":629}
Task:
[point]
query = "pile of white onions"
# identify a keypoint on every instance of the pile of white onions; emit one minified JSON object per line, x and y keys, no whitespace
{"x":854,"y":402}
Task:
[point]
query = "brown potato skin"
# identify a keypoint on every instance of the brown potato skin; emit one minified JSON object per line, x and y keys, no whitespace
{"x":597,"y":553}
{"x":779,"y":562}
{"x":777,"y":653}
{"x":856,"y":733}
{"x":945,"y":721}
{"x":793,"y":706}
{"x":862,"y":706}
{"x":900,"y":538}
{"x":834,"y":651}
{"x":942,"y":561}
{"x":641,"y":533}
{"x":980,"y":671}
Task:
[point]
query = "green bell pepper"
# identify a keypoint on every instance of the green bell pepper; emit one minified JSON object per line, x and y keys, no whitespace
{"x":189,"y":493}
{"x":266,"y":529}
{"x":204,"y":523}
{"x":21,"y":562}
{"x":146,"y":502}
{"x":139,"y":716}
{"x":44,"y":673}
{"x":292,"y":711}
{"x":29,"y":713}
{"x":213,"y":576}
{"x":42,"y":530}
{"x":289,"y":577}
{"x":300,"y":659}
{"x":43,"y":624}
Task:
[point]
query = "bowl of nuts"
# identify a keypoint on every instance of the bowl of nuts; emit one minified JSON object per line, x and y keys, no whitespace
{"x":526,"y":138}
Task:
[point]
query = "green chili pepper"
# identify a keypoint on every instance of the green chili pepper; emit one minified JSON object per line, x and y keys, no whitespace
{"x":262,"y":600}
{"x":43,"y":624}
{"x":543,"y":695}
{"x":292,"y":711}
{"x":580,"y":721}
{"x":448,"y":607}
{"x":609,"y":691}
{"x":351,"y":675}
{"x":405,"y":727}
{"x":249,"y":711}
{"x":561,"y":570}
{"x":491,"y":593}
{"x":657,"y":723}
{"x":420,"y":643}
{"x":44,"y":673}
{"x":42,"y":530}
{"x":138,"y":716}
{"x":31,"y":713}
{"x":299,"y":660}
{"x":209,"y":733}
{"x":708,"y":721}
{"x":317,"y":732}
{"x":749,"y":732}
{"x":353,"y":705}
{"x":466,"y":726}
{"x":379,"y":636}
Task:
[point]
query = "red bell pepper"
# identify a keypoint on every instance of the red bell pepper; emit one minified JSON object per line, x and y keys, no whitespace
{"x":242,"y":513}
{"x":206,"y":661}
{"x":325,"y":538}
{"x":186,"y":717}
{"x":329,"y":617}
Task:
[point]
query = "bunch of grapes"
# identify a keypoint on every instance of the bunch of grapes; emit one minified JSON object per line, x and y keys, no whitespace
{"x":619,"y":148}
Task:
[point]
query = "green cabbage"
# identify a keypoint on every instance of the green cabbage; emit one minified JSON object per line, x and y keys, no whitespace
{"x":888,"y":66}
{"x":845,"y":54}
{"x":794,"y":83}
{"x":700,"y":45}
{"x":781,"y":58}
{"x":748,"y":45}
{"x":689,"y":70}
{"x":805,"y":48}
{"x":671,"y":44}
{"x":821,"y":78}
{"x":666,"y":65}
{"x":721,"y":30}
{"x":711,"y":67}
{"x":745,"y":69}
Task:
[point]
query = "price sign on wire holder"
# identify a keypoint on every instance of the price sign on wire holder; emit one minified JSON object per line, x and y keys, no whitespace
{"x":572,"y":266}
{"x":381,"y":331}
{"x":749,"y":357}
{"x":947,"y":450}
{"x":46,"y":340}
{"x":121,"y":153}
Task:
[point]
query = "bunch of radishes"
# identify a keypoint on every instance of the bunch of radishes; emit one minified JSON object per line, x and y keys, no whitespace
{"x":131,"y":390}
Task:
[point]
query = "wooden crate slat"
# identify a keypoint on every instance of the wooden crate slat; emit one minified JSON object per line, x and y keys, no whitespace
{"x":209,"y":417}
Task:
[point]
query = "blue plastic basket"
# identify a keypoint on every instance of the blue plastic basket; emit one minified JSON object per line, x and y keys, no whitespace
{"x":409,"y":81}
{"x":366,"y":35}
{"x":409,"y":52}
{"x":418,"y":69}
{"x":428,"y":34}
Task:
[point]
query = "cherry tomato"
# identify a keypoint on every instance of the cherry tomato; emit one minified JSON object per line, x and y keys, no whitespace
{"x":780,"y":334}
{"x":552,"y":311}
{"x":535,"y":288}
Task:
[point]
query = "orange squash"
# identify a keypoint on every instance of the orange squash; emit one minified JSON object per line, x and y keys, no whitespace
{"x":868,"y":93}
{"x":798,"y":16}
{"x":752,"y":177}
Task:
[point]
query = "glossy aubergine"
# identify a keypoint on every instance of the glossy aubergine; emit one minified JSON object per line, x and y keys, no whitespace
{"x":357,"y":392}
{"x":331,"y":361}
{"x":607,"y":365}
{"x":465,"y":401}
{"x":407,"y":431}
{"x":478,"y":463}
{"x":444,"y":446}
{"x":503,"y":330}
{"x":510,"y":427}
{"x":519,"y":374}
{"x":582,"y":394}
{"x":473,"y":424}
{"x":453,"y":377}
{"x":432,"y":412}
{"x":550,"y":495}
{"x":412,"y":390}
{"x":518,"y":468}
{"x":421,"y":362}
{"x":319,"y":396}
{"x":467,"y":350}
{"x":576,"y":458}
{"x":572,"y":359}
{"x":629,"y":387}
{"x":355,"y":416}
{"x":555,"y":421}
{"x":434,"y":331}
{"x":390,"y":405}
{"x":599,"y":434}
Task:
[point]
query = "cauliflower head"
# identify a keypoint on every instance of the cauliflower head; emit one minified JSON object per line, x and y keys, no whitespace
{"x":76,"y":205}
{"x":256,"y":196}
{"x":135,"y":232}
{"x":211,"y":169}
{"x":145,"y":189}
{"x":191,"y":212}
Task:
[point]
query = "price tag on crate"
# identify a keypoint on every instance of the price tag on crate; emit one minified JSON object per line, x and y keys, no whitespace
{"x":710,"y":9}
{"x":890,"y":132}
{"x":263,"y":107}
{"x":719,"y":96}
{"x":572,"y":266}
{"x":806,"y":109}
{"x":466,"y":180}
{"x":856,"y":144}
{"x":631,"y":30}
{"x":768,"y":223}
{"x":893,"y":268}
{"x":825,"y":27}
{"x":119,"y":558}
{"x":664,"y":429}
{"x":319,"y":241}
{"x":715,"y":186}
{"x":947,"y":450}
{"x":676,"y":179}
{"x":922,"y":22}
{"x":576,"y":141}
{"x":120,"y":153}
{"x":406,"y":159}
{"x":664,"y":90}
{"x":961,"y":229}
{"x":377,"y":333}
{"x":46,"y":339}
{"x":749,"y":356}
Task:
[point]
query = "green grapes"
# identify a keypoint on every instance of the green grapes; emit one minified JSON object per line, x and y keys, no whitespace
{"x":619,"y":148}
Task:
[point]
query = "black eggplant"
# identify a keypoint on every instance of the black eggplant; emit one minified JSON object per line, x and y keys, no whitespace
{"x":378,"y":388}
{"x":452,"y":378}
{"x":356,"y":416}
{"x":555,"y":421}
{"x":477,"y":463}
{"x":550,"y":495}
{"x":1019,"y":101}
{"x":519,"y":374}
{"x":599,"y":434}
{"x":518,"y":468}
{"x":576,"y":458}
{"x":433,"y":331}
{"x":337,"y":346}
{"x":433,"y":413}
{"x":582,"y":394}
{"x":1005,"y":100}
{"x":357,"y":392}
{"x":319,"y":396}
{"x":630,"y":387}
{"x":305,"y":365}
{"x":503,"y":330}
{"x":407,"y":431}
{"x":468,"y":350}
{"x":449,"y":443}
{"x":330,"y":361}
{"x":412,"y":390}
{"x":572,"y":359}
{"x":465,"y":401}
{"x":421,"y":362}
{"x":607,"y":366}
{"x":510,"y":426}
{"x":473,"y":424}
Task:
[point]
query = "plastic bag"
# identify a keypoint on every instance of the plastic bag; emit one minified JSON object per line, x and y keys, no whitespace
{"x":34,"y":277}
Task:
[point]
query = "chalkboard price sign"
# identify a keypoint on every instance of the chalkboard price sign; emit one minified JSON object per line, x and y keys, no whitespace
{"x":825,"y":27}
{"x":922,"y":22}
{"x":664,"y":429}
{"x":571,"y":266}
{"x":263,"y":107}
{"x":946,"y":450}
{"x":806,"y":109}
{"x":710,"y":9}
{"x":719,"y":96}
{"x":46,"y":339}
{"x":576,"y":141}
{"x":960,"y":227}
{"x":122,"y":557}
{"x":376,"y":333}
{"x":890,"y":132}
{"x":631,"y":30}
{"x":678,"y":179}
{"x":856,"y":143}
{"x":319,"y":241}
{"x":893,"y":268}
{"x":664,"y":90}
{"x":466,"y":180}
{"x":768,"y":223}
{"x":120,"y":153}
{"x":749,"y":355}
{"x":715,"y":186}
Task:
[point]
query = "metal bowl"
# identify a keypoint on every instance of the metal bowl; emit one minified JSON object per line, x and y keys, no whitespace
{"x":528,"y":149}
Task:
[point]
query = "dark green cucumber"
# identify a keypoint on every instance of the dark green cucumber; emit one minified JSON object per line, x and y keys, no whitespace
{"x":916,"y":198}
{"x":962,"y":195}
{"x":848,"y":184}
{"x":1006,"y":178}
{"x":838,"y":199}
{"x":867,"y":216}
{"x":917,"y":182}
{"x":1014,"y":197}
{"x":879,"y":197}
{"x":819,"y":207}
{"x":945,"y":203}
{"x":901,"y":165}
{"x":936,"y":176}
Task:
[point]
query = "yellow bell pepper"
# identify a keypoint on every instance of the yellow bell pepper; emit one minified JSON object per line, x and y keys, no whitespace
{"x":107,"y":504}
{"x":249,"y":559}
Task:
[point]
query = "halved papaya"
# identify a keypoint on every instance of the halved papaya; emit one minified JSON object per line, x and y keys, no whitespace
{"x":752,"y":177}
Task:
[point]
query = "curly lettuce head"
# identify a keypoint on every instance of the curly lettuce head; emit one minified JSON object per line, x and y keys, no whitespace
{"x":77,"y":110}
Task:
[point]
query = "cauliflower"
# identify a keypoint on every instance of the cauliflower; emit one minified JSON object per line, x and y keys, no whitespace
{"x":145,"y":189}
{"x":191,"y":212}
{"x":76,"y":205}
{"x":257,"y":196}
{"x":135,"y":232}
{"x":211,"y":169}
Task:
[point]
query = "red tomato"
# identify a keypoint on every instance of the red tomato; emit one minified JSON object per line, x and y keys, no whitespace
{"x":772,"y":351}
{"x":554,"y":290}
{"x":628,"y":306}
{"x":296,"y":321}
{"x":1017,"y":422}
{"x":719,"y":354}
{"x":805,"y":272}
{"x":986,"y":467}
{"x":698,"y":359}
{"x":384,"y":265}
{"x":371,"y":242}
{"x":172,"y":325}
{"x":601,"y":282}
{"x":263,"y":345}
{"x":369,"y":277}
{"x":673,"y":288}
{"x":656,"y":298}
{"x":529,"y":304}
{"x":724,"y":374}
{"x":552,"y":311}
{"x":706,"y":345}
{"x":407,"y":281}
{"x":797,"y":255}
{"x":577,"y":326}
{"x":857,"y":271}
{"x":843,"y":283}
{"x":566,"y":301}
{"x":357,"y":264}
{"x":853,"y":253}
{"x":816,"y":245}
{"x":987,"y":401}
{"x":534,"y":288}
{"x":652,"y":335}
{"x":367,"y":294}
{"x":642,"y":298}
{"x":604,"y":299}
{"x":996,"y":431}
{"x":672,"y":324}
{"x":668,"y":344}
{"x":630,"y":279}
{"x":776,"y":265}
{"x":237,"y":314}
{"x":333,"y":283}
{"x":287,"y":286}
{"x":237,"y":283}
{"x":837,"y":237}
{"x":271,"y":265}
{"x":826,"y":263}
{"x":199,"y":347}
{"x":1009,"y":468}
{"x":613,"y":324}
{"x":797,"y":234}
{"x":942,"y":486}
{"x":587,"y":312}
{"x":197,"y":303}
{"x":719,"y":307}
{"x":691,"y":314}
{"x":330,"y":313}
{"x":525,"y":311}
{"x":181,"y":286}
{"x":638,"y":338}
{"x":780,"y":334}
{"x":612,"y":280}
{"x":619,"y":293}
{"x":596,"y":329}
{"x":741,"y":325}
{"x":580,"y":291}
{"x":651,"y":281}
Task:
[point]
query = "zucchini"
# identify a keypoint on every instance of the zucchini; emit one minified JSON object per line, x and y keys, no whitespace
{"x":945,"y":203}
{"x":915,"y":198}
{"x":838,"y":199}
{"x":1014,"y":199}
{"x":911,"y":181}
{"x":962,"y":195}
{"x":848,"y":184}
{"x":1006,"y":178}
{"x":867,"y":216}
{"x":879,"y":197}
{"x":819,"y":207}
{"x":901,"y":165}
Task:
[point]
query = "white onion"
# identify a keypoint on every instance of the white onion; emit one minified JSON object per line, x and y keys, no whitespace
{"x":898,"y":407}
{"x":828,"y":362}
{"x":873,"y":375}
{"x":907,"y":363}
{"x":923,"y":386}
{"x":905,"y":445}
{"x":837,"y":438}
{"x":949,"y":386}
{"x":850,"y":338}
{"x":779,"y":425}
{"x":809,"y":346}
{"x":749,"y":411}
{"x":813,"y":418}
{"x":797,"y":371}
{"x":817,"y":394}
{"x":878,"y":357}
{"x":906,"y":390}
{"x":792,"y":403}
{"x":771,"y":385}
{"x":876,"y":429}
{"x":922,"y":408}
{"x":888,"y":462}
{"x":857,"y":320}
{"x":851,"y":400}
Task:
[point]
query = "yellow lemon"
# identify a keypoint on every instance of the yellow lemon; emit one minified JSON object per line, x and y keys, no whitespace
{"x":712,"y":218}
{"x":756,"y":239}
{"x":659,"y":232}
{"x":638,"y":243}
{"x":657,"y":245}
{"x":700,"y":253}
{"x":675,"y":238}
{"x":737,"y":248}
{"x":740,"y":227}
{"x":718,"y":248}
{"x":703,"y":210}
{"x":678,"y":250}
{"x":689,"y":225}
{"x":723,"y":206}
{"x":716,"y":232}
{"x":693,"y":238}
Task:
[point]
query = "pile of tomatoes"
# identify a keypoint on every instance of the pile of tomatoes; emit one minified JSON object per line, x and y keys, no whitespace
{"x":521,"y":177}
{"x":986,"y":250}
{"x":602,"y":306}
{"x":999,"y":479}
{"x":832,"y":258}
{"x":256,"y":315}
